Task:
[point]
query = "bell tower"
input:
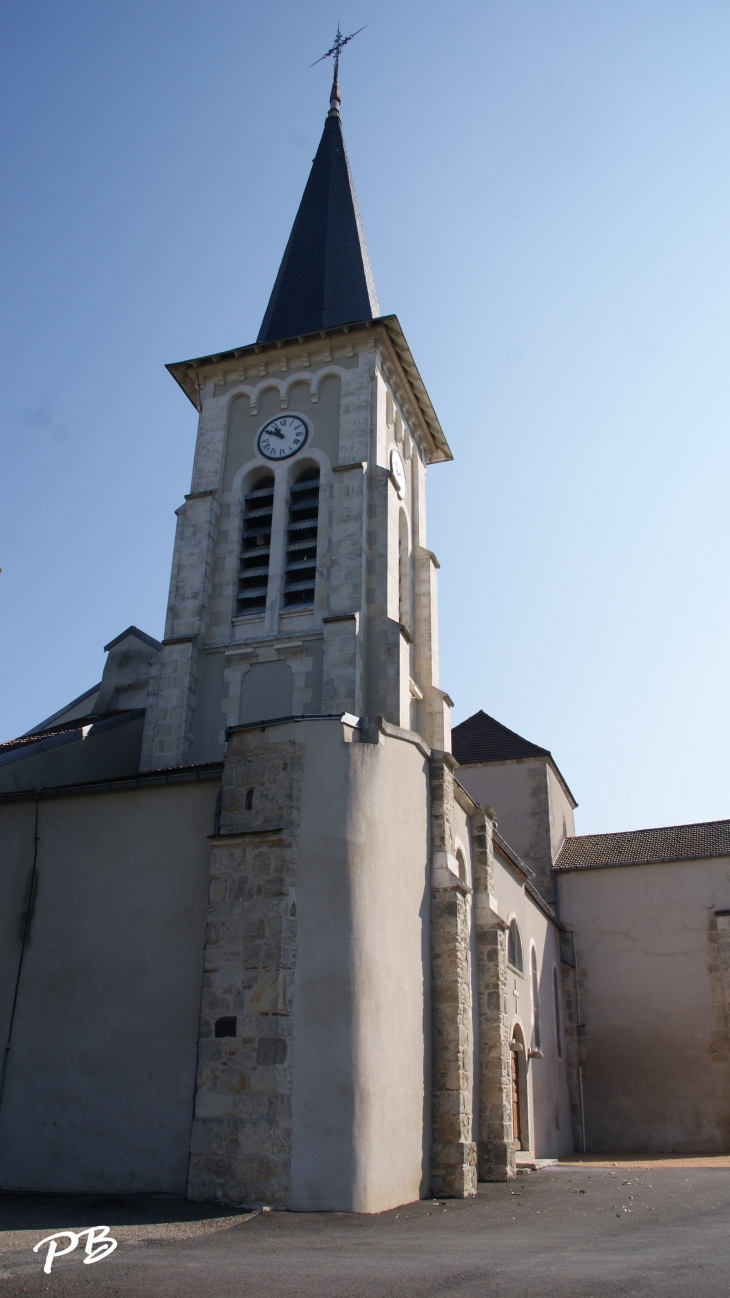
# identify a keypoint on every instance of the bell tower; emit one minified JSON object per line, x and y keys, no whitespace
{"x":301,"y":650}
{"x":302,"y":583}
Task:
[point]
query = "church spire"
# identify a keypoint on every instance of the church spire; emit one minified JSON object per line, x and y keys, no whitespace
{"x":325,"y":278}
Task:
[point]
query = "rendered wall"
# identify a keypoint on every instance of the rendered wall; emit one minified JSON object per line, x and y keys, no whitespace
{"x":655,"y":996}
{"x":362,"y":1007}
{"x":547,"y":1120}
{"x":101,"y":1072}
{"x":531,"y":806}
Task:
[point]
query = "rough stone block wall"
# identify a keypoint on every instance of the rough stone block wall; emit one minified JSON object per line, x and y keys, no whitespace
{"x":719,"y":935}
{"x":495,"y":1151}
{"x":573,"y":1036}
{"x":453,"y":1153}
{"x":171,"y":702}
{"x":241,"y":1140}
{"x":538,"y":854}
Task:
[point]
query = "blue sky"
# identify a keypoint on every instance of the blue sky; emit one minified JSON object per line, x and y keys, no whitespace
{"x":545,"y":194}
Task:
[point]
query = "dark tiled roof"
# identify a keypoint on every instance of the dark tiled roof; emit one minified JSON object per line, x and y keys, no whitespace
{"x":59,"y":729}
{"x":325,"y":278}
{"x":642,"y":846}
{"x":482,"y":739}
{"x":50,"y":733}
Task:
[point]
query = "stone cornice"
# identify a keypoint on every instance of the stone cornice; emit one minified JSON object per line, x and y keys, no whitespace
{"x":258,"y":357}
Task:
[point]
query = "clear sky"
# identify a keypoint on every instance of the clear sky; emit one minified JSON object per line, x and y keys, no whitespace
{"x":545,"y":194}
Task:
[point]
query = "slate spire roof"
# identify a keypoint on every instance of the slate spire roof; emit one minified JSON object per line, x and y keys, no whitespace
{"x":325,"y":278}
{"x":482,"y":739}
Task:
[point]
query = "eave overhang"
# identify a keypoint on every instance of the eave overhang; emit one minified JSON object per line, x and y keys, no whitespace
{"x":188,"y":374}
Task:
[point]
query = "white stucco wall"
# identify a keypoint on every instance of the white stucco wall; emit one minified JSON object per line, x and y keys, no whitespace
{"x":101,"y":1073}
{"x":361,"y":1075}
{"x":548,"y":1116}
{"x":652,"y":1080}
{"x":532,"y":807}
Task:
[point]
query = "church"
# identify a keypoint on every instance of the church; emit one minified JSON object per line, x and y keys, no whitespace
{"x":272,"y":933}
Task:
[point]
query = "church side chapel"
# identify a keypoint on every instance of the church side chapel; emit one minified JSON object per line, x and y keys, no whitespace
{"x":272,"y":933}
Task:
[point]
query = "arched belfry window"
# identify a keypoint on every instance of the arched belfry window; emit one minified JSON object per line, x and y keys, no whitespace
{"x":514,"y":947}
{"x":301,"y":540}
{"x":537,"y":1031}
{"x":253,"y":575}
{"x":404,"y":572}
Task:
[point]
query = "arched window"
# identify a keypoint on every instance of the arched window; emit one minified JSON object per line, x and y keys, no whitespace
{"x":558,"y":1015}
{"x":461,"y":863}
{"x":404,"y":572}
{"x":514,"y":947}
{"x":301,"y":540}
{"x":253,"y":574}
{"x":537,"y":1031}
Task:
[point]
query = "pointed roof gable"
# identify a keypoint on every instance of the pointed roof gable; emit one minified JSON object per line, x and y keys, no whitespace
{"x":325,"y":278}
{"x":482,"y":739}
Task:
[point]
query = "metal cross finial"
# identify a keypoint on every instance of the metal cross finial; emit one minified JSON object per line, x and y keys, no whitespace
{"x":340,"y":42}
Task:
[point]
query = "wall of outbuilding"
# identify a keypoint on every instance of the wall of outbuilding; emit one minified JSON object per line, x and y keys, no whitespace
{"x":101,"y":1071}
{"x":654,"y":982}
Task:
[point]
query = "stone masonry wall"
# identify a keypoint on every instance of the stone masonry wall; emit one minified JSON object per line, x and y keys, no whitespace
{"x":573,"y":1035}
{"x":241,"y":1140}
{"x":453,"y":1153}
{"x":496,"y":1151}
{"x":171,"y":701}
{"x":719,"y":935}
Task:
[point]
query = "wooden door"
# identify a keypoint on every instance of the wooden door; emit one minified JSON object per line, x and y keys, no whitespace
{"x":516,"y":1099}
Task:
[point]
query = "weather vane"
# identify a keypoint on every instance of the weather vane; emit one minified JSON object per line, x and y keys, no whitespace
{"x":335,"y":51}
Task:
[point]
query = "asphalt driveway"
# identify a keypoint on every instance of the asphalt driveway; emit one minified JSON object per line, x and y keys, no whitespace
{"x":569,"y":1231}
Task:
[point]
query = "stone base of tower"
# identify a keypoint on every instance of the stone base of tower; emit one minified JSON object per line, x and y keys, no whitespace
{"x":454,"y":1169}
{"x":314,"y":1061}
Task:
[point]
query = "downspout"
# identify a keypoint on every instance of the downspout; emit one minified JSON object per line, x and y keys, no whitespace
{"x":24,"y":943}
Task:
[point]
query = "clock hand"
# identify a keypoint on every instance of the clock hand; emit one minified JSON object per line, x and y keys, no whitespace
{"x":274,"y":433}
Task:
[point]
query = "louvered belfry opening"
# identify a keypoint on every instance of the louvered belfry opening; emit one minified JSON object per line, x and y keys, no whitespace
{"x":301,"y":540}
{"x":253,"y":576}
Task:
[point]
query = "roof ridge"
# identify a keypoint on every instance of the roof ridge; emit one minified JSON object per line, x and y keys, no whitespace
{"x":652,"y":829}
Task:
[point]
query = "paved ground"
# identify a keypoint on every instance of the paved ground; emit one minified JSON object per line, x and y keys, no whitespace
{"x":571,"y":1231}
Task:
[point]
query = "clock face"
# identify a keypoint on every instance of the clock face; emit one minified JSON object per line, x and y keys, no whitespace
{"x":398,"y":473}
{"x":282,"y":437}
